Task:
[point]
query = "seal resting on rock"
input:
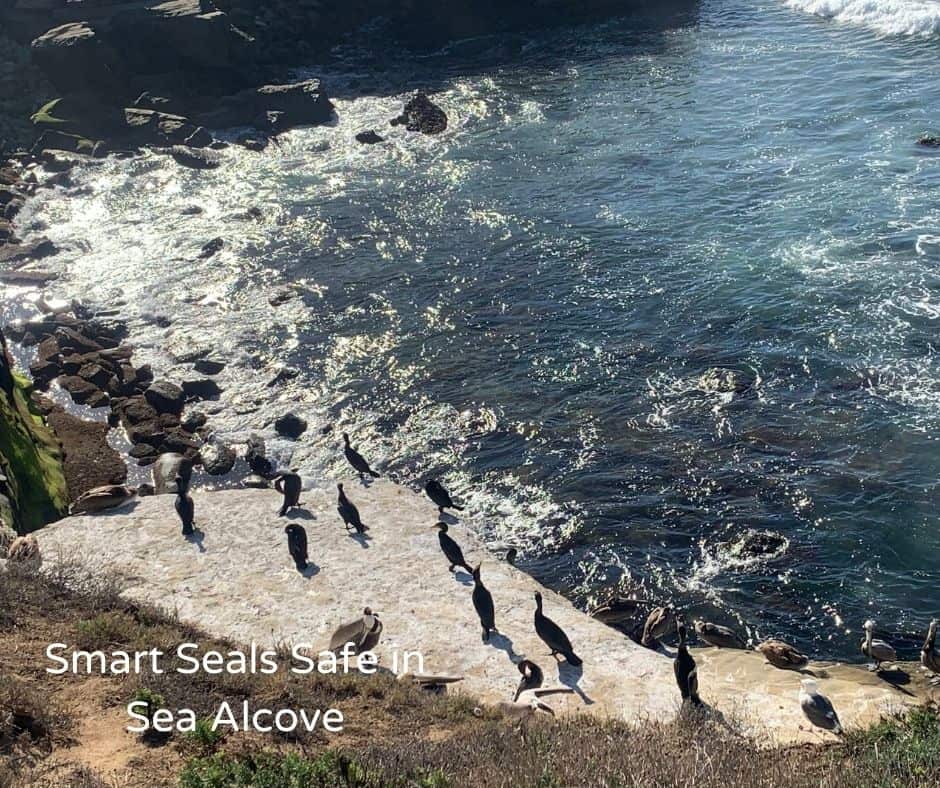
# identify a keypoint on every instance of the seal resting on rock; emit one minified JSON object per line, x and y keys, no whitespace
{"x":422,"y":114}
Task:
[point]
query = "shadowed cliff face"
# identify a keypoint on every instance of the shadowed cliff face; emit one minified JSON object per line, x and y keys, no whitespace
{"x":33,"y":490}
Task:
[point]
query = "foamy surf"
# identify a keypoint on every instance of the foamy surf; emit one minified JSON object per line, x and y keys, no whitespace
{"x":919,"y":18}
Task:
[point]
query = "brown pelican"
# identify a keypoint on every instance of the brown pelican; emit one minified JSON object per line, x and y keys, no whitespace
{"x":101,"y":498}
{"x":929,"y":658}
{"x":348,"y":511}
{"x":24,"y":550}
{"x":289,"y":485}
{"x":483,"y":604}
{"x":355,"y":459}
{"x":436,"y":492}
{"x":616,"y":611}
{"x":363,"y":633}
{"x":717,"y":635}
{"x":451,"y":549}
{"x":532,"y":677}
{"x":430,"y":682}
{"x":553,"y":635}
{"x":817,"y":708}
{"x":658,"y":623}
{"x":297,"y":545}
{"x":876,"y":650}
{"x":782,"y":655}
{"x":686,"y":671}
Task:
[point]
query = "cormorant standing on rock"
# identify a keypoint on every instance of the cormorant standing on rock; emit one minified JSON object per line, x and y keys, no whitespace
{"x":511,"y":554}
{"x":363,"y":633}
{"x":289,"y":485}
{"x":357,"y":461}
{"x":297,"y":545}
{"x":184,"y":505}
{"x":877,"y":650}
{"x":483,"y":602}
{"x":532,"y":677}
{"x":451,"y":549}
{"x":817,"y":708}
{"x":436,"y":492}
{"x":553,"y":635}
{"x":349,"y":512}
{"x":685,"y":670}
{"x":717,"y":635}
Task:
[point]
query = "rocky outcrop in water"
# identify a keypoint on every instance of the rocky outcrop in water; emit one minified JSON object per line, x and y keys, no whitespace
{"x":422,"y":114}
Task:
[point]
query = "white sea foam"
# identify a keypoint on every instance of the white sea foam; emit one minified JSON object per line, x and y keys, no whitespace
{"x":919,"y":18}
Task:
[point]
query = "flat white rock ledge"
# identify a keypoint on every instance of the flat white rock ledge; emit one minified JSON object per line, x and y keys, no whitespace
{"x":242,"y":584}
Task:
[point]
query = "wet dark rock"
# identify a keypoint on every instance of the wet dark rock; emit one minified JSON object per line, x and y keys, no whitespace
{"x":273,"y":108}
{"x":95,"y":374}
{"x":369,"y":137}
{"x":210,"y":248}
{"x":282,"y":296}
{"x":43,"y":373}
{"x":290,"y":426}
{"x":81,"y":390}
{"x":193,"y":421}
{"x":256,"y":457}
{"x":70,"y":143}
{"x":49,"y":350}
{"x":206,"y":366}
{"x":192,"y":210}
{"x":217,"y":458}
{"x":12,"y":254}
{"x":180,"y":442}
{"x":422,"y":114}
{"x":282,"y":376}
{"x":252,"y":144}
{"x":21,"y":277}
{"x":929,"y":141}
{"x":757,"y":544}
{"x":143,"y":451}
{"x":194,"y":158}
{"x":165,"y":397}
{"x":73,"y":56}
{"x":205,"y":388}
{"x":148,"y":432}
{"x":169,"y":421}
{"x":137,"y":410}
{"x":145,"y":374}
{"x":69,"y":339}
{"x":254,"y":212}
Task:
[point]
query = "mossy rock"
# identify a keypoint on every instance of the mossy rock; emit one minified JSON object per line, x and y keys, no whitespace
{"x":30,"y":459}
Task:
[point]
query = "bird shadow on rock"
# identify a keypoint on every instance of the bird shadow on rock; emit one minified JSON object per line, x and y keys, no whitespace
{"x":366,"y":481}
{"x":310,"y":570}
{"x":300,"y":514}
{"x":362,"y":539}
{"x":197,"y":537}
{"x":570,"y":675}
{"x":503,"y":643}
{"x":447,"y":517}
{"x":897,"y":678}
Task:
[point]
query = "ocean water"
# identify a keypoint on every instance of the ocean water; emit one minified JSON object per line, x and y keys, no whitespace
{"x":663,"y":283}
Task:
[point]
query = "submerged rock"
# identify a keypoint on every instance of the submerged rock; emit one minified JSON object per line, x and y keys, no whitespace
{"x":929,"y":141}
{"x":369,"y":137}
{"x":217,"y":458}
{"x":290,"y":426}
{"x":196,"y":159}
{"x":422,"y":114}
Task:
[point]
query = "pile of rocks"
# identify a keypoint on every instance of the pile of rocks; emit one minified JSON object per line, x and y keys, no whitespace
{"x":88,"y":358}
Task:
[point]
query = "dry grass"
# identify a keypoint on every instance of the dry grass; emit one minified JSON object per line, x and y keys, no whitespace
{"x":396,"y":735}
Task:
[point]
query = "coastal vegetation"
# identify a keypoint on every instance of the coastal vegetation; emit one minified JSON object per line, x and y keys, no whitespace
{"x":398,"y":735}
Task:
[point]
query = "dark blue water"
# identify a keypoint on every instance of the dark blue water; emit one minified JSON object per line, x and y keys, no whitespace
{"x":662,"y":284}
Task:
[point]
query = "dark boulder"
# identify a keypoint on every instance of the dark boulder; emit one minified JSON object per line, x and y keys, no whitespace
{"x":211,"y":247}
{"x":274,"y":108}
{"x":929,"y":141}
{"x":81,"y":390}
{"x":71,"y":143}
{"x":217,"y":458}
{"x":82,"y":114}
{"x":422,"y":114}
{"x":143,"y":451}
{"x":165,"y":397}
{"x":290,"y":426}
{"x":149,"y":127}
{"x":194,"y":158}
{"x":369,"y":137}
{"x":96,"y":375}
{"x":203,"y":388}
{"x":43,"y":373}
{"x":19,"y":254}
{"x":206,"y":366}
{"x":193,"y":421}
